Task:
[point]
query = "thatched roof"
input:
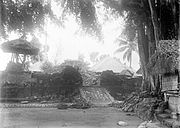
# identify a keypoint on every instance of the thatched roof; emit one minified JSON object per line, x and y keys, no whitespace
{"x":19,"y":46}
{"x":166,"y":59}
{"x":112,"y":64}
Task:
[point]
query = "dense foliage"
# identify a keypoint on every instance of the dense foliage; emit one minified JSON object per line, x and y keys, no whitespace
{"x":166,"y":59}
{"x":80,"y":66}
{"x":24,"y":16}
{"x":85,"y":13}
{"x":148,"y":20}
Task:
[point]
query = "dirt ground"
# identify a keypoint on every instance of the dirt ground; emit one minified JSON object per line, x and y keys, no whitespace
{"x":70,"y":118}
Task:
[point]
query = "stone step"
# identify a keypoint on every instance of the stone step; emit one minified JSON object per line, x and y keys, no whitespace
{"x":97,"y":96}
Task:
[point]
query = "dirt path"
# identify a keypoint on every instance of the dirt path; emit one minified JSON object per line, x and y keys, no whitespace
{"x":70,"y":118}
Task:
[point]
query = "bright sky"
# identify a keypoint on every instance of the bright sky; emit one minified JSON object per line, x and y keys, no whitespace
{"x":69,"y":42}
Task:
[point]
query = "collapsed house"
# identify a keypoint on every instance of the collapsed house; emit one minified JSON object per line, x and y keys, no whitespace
{"x":66,"y":82}
{"x":117,"y":78}
{"x":60,"y":85}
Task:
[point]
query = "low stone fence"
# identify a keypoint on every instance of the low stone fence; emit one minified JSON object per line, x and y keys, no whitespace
{"x":29,"y":105}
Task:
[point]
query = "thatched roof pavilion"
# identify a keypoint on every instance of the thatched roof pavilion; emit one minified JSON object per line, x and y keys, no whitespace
{"x":20,"y":50}
{"x":20,"y":46}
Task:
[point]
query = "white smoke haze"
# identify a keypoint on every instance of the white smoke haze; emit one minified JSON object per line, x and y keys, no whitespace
{"x":69,"y":41}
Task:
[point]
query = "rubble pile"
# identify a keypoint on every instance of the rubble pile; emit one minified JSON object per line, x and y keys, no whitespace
{"x":120,"y":86}
{"x":79,"y":103}
{"x":96,"y":95}
{"x":143,"y":106}
{"x":146,"y":108}
{"x":116,"y":104}
{"x":90,"y":78}
{"x":130,"y":103}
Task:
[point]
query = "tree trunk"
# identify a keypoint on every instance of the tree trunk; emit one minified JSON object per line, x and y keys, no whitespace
{"x":130,"y":61}
{"x":1,"y":26}
{"x":151,"y":40}
{"x":154,"y":20}
{"x":141,"y":54}
{"x":2,"y":31}
{"x":147,"y":82}
{"x":155,"y":29}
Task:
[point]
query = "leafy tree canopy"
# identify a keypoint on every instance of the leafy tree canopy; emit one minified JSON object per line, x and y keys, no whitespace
{"x":85,"y":13}
{"x":25,"y":16}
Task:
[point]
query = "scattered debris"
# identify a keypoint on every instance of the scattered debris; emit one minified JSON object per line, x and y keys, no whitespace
{"x":90,"y":78}
{"x":130,"y":103}
{"x":122,"y":123}
{"x":62,"y":106}
{"x":150,"y":124}
{"x":130,"y":114}
{"x":24,"y":102}
{"x":97,"y":96}
{"x":43,"y":102}
{"x":144,"y":105}
{"x":116,"y":104}
{"x":143,"y":124}
{"x":79,"y":103}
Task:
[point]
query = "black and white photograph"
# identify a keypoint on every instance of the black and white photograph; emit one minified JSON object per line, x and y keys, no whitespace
{"x":89,"y":64}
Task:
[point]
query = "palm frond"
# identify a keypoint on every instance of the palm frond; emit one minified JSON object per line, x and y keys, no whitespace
{"x":121,"y":42}
{"x":126,"y":54}
{"x":121,"y":49}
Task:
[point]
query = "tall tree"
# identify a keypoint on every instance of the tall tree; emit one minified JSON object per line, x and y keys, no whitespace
{"x":145,"y":15}
{"x":154,"y":20}
{"x":137,"y":13}
{"x":150,"y":25}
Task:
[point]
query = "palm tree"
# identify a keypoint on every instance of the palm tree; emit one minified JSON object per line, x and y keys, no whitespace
{"x":127,"y":47}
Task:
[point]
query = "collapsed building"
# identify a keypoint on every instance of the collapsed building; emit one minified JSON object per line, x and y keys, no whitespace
{"x":65,"y":83}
